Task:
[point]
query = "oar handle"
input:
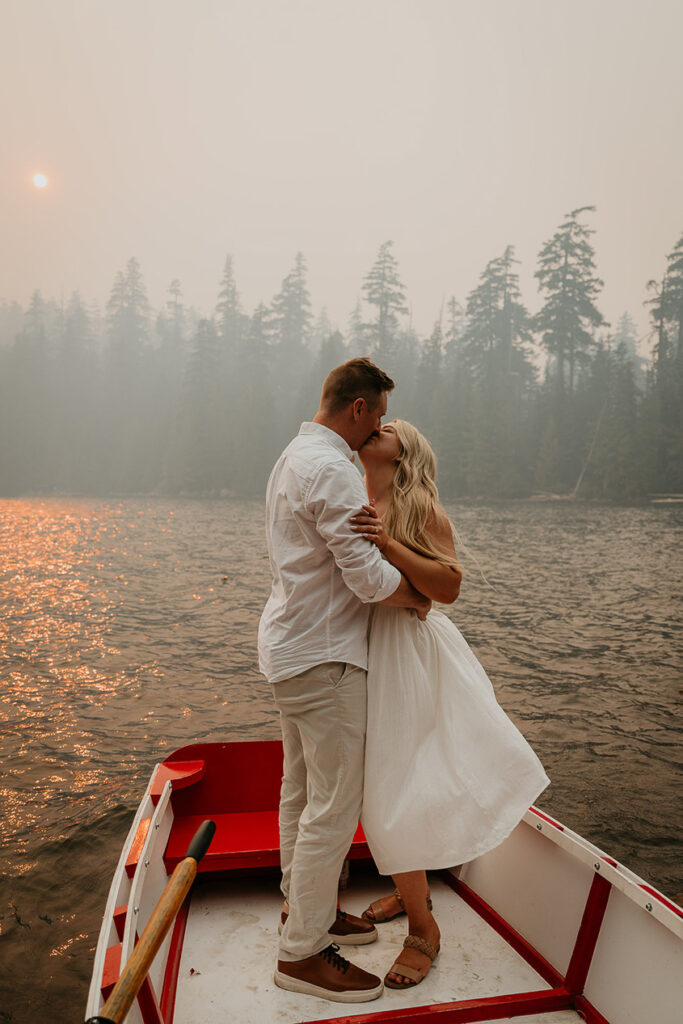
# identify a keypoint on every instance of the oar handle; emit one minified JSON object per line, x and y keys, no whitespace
{"x":136,"y":969}
{"x":201,"y":840}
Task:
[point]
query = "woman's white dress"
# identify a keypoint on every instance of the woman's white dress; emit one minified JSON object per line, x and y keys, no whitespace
{"x":447,"y":774}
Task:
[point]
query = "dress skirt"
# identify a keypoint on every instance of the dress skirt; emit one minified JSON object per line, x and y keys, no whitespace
{"x":447,"y":774}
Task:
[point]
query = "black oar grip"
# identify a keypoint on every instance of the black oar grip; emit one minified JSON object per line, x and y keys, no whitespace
{"x":201,"y":840}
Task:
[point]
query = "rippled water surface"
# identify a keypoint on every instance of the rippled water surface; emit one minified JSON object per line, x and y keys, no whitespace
{"x":128,"y":628}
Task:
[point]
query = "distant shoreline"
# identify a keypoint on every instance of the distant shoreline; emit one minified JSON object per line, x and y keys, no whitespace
{"x":538,"y":498}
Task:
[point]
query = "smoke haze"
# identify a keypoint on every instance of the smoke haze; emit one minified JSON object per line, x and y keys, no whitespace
{"x":178,"y":132}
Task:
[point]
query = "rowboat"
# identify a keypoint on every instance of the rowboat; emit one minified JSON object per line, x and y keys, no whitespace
{"x":545,"y":929}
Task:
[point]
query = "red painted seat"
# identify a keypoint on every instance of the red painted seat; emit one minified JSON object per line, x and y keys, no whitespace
{"x":242,"y":840}
{"x":238,"y":787}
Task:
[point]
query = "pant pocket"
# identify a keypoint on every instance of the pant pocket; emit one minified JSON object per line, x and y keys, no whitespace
{"x":338,"y":671}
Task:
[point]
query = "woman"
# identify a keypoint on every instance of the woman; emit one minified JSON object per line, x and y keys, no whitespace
{"x":447,"y":774}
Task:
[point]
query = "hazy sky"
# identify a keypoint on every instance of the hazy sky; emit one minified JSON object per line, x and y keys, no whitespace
{"x":179,"y":131}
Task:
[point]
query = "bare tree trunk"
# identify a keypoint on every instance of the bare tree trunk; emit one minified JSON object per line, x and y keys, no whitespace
{"x":575,"y":492}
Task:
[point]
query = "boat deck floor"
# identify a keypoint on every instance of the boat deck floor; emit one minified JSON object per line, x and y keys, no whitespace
{"x":228,"y":959}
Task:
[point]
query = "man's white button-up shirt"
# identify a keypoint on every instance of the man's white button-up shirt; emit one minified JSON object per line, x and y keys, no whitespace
{"x":325,"y":576}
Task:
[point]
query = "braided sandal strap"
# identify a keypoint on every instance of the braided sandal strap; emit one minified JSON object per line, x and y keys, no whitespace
{"x":421,"y":945}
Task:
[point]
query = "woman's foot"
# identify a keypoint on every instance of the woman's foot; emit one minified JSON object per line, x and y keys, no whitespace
{"x":385,"y":908}
{"x":388,"y":907}
{"x":417,"y":955}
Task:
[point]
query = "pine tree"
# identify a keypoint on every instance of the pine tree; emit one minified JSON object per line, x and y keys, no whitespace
{"x":385,"y":291}
{"x":333,"y":352}
{"x":28,"y":406}
{"x":322,"y":329}
{"x":672,"y":298}
{"x":428,"y":376}
{"x":451,"y":408}
{"x":11,"y":323}
{"x":230,"y":319}
{"x":292,"y":311}
{"x":357,"y":339}
{"x":673,"y":311}
{"x":498,"y":325}
{"x":76,"y":412}
{"x":291,"y":320}
{"x":171,"y":327}
{"x":127,"y":319}
{"x":455,"y":333}
{"x":165,"y":380}
{"x":566,"y":273}
{"x":610,"y":469}
{"x":494,"y":356}
{"x":626,"y":335}
{"x":661,"y":349}
{"x":664,"y":402}
{"x":127,"y":461}
{"x":255,"y":438}
{"x":197,"y":459}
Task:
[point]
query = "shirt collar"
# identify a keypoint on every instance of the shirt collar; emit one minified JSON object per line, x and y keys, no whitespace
{"x":331,"y":436}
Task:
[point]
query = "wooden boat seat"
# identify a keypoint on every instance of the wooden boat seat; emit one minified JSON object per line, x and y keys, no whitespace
{"x":242,"y":840}
{"x":236,"y":785}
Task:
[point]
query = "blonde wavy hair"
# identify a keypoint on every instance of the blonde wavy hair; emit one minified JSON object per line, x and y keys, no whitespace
{"x":414,"y":504}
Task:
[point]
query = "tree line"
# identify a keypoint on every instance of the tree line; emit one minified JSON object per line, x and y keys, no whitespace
{"x":554,"y":401}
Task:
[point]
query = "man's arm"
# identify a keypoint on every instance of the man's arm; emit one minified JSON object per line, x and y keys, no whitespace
{"x":331,"y":500}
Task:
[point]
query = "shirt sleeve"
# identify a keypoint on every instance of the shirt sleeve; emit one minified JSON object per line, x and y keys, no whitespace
{"x":335,"y":494}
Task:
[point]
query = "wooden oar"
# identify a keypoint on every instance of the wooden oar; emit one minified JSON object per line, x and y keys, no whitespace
{"x":136,"y":969}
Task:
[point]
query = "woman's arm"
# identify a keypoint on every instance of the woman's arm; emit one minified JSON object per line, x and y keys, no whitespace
{"x":435,"y":580}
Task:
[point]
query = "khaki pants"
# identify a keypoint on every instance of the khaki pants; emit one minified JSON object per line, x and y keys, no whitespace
{"x":323,"y":715}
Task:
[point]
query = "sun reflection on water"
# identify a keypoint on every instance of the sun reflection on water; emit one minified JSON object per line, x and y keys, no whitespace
{"x":57,"y":610}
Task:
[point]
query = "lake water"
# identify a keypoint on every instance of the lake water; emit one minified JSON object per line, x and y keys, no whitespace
{"x":128,"y":628}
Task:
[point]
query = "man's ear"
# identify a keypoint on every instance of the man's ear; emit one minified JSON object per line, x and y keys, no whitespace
{"x":358,"y":406}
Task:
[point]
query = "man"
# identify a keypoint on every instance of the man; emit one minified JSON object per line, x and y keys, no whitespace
{"x":313,"y":650}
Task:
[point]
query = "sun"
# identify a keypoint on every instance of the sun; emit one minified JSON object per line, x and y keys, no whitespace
{"x":39,"y":180}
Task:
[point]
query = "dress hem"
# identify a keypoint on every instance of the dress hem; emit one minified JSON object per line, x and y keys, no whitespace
{"x":492,"y":841}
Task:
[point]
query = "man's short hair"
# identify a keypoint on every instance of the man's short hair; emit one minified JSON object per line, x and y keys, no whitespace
{"x":357,"y":378}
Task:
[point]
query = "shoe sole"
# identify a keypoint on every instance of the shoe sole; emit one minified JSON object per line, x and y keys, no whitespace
{"x":362,"y":939}
{"x":363,"y":995}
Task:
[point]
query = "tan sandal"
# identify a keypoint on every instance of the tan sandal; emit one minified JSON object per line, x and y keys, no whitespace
{"x":414,"y":974}
{"x":378,"y":914}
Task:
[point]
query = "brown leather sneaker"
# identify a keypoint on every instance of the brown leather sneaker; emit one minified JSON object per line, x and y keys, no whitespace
{"x":352,"y":931}
{"x":347,"y":930}
{"x":328,"y":976}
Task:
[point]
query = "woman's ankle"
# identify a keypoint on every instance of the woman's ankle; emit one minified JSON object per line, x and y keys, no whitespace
{"x":423,"y":925}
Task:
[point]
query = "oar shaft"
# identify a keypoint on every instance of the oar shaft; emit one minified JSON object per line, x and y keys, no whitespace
{"x":137,"y":967}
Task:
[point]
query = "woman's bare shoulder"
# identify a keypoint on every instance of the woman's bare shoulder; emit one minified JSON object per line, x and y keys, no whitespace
{"x":441,"y":532}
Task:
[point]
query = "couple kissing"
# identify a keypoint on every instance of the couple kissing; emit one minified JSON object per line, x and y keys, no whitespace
{"x":386,"y":714}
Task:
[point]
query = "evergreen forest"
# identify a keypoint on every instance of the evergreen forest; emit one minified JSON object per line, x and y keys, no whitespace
{"x":516,"y":402}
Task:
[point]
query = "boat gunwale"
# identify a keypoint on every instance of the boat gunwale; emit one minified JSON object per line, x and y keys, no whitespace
{"x":130,"y":935}
{"x":94,"y":1001}
{"x":633,"y":886}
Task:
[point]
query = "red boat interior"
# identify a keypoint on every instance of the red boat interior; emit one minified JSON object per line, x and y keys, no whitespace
{"x":237,"y":785}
